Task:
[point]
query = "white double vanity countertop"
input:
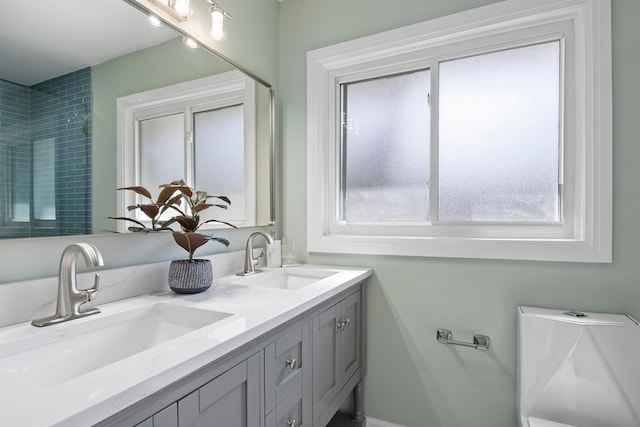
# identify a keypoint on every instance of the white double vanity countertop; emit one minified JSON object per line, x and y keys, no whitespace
{"x":80,"y":372}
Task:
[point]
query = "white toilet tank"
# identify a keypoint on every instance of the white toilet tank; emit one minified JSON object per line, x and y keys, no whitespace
{"x":580,"y":369}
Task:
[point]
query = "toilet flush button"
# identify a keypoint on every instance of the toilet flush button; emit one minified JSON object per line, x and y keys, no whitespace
{"x":575,"y":314}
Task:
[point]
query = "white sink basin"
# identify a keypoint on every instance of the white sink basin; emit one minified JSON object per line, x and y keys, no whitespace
{"x":74,"y":348}
{"x":285,"y":278}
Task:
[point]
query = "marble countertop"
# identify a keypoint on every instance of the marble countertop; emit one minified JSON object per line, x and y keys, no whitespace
{"x":101,"y":392}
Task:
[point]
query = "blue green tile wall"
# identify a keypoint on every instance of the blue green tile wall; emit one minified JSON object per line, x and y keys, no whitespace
{"x":15,"y":158}
{"x":53,"y":120}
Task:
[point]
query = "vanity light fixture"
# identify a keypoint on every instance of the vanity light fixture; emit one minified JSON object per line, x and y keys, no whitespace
{"x":190,"y":43}
{"x":155,"y":21}
{"x":178,"y":9}
{"x":182,"y":7}
{"x":216,"y":20}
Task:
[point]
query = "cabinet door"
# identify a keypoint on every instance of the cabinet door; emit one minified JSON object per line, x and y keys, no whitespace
{"x":230,"y":400}
{"x":326,"y":355}
{"x":349,"y":335}
{"x":168,"y":417}
{"x":336,"y":336}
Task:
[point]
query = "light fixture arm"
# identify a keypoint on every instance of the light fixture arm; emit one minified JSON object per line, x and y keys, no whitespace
{"x":177,"y":9}
{"x":220,"y":8}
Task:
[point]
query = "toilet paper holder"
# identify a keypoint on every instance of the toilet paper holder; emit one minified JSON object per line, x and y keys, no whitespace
{"x":480,"y":342}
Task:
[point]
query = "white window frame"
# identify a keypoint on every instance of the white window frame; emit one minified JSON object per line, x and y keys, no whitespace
{"x":585,"y":235}
{"x":217,"y":91}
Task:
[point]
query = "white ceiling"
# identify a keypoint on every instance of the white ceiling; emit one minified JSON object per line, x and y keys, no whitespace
{"x":41,"y":39}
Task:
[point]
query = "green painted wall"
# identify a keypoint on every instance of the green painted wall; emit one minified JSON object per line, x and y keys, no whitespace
{"x":411,"y":379}
{"x":252,"y":42}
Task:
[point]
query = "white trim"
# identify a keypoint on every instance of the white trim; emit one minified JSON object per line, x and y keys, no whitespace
{"x":374,"y":422}
{"x":589,"y":238}
{"x":220,"y":89}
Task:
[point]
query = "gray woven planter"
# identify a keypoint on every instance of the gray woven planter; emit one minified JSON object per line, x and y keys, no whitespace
{"x":190,"y":277}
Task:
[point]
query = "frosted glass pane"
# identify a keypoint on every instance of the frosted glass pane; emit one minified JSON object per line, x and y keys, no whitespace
{"x":385,"y":148}
{"x":44,"y":179}
{"x":161,"y":151}
{"x":219,"y":157}
{"x":499,"y":136}
{"x":20,"y":177}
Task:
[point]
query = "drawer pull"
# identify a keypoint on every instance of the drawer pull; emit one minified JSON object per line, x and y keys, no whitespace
{"x":292,"y":363}
{"x":292,"y":423}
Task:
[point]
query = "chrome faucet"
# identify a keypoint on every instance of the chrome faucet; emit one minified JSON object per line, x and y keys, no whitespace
{"x":70,"y":298}
{"x":249,"y":261}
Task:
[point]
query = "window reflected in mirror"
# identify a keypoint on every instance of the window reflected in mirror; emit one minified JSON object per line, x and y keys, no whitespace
{"x":199,"y":131}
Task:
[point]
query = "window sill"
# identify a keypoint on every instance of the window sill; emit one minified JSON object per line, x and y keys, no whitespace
{"x":559,"y":250}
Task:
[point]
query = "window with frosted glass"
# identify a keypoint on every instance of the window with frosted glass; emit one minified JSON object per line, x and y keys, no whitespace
{"x":499,"y":136}
{"x":385,"y":148}
{"x":162,"y":153}
{"x":498,"y":141}
{"x":219,"y":158}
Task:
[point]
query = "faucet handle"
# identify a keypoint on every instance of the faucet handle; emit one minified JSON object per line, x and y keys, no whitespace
{"x":259,"y":258}
{"x":88,"y":294}
{"x":91,"y":292}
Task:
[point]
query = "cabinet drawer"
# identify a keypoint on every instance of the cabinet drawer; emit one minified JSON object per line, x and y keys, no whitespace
{"x":284,"y":361}
{"x":288,"y":413}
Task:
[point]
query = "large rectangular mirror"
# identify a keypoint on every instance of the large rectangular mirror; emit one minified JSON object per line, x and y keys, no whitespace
{"x":59,"y":88}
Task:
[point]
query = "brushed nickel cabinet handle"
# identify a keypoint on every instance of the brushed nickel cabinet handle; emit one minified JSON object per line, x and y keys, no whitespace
{"x":343,"y":324}
{"x":292,"y":363}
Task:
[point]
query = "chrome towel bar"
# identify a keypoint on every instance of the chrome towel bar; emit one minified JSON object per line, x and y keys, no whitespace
{"x":480,"y":342}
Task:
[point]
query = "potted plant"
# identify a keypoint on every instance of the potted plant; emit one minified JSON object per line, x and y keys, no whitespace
{"x":189,"y":275}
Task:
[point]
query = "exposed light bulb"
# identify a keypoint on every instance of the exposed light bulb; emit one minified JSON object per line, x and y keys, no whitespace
{"x":217,"y":23}
{"x":182,"y":7}
{"x":153,"y":20}
{"x":189,"y":43}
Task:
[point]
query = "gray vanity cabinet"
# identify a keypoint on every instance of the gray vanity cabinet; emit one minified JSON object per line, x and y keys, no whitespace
{"x":336,"y":352}
{"x":297,"y":375}
{"x":230,"y":400}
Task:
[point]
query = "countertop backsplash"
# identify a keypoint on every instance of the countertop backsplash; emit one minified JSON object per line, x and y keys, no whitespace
{"x":24,"y":301}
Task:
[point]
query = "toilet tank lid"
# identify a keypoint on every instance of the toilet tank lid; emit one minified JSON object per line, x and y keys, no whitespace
{"x":539,"y":422}
{"x":583,"y":318}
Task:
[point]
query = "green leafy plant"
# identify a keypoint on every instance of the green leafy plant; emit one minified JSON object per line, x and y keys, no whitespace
{"x":188,"y":217}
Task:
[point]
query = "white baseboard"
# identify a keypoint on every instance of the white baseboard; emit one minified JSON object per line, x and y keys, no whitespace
{"x":373,"y":422}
